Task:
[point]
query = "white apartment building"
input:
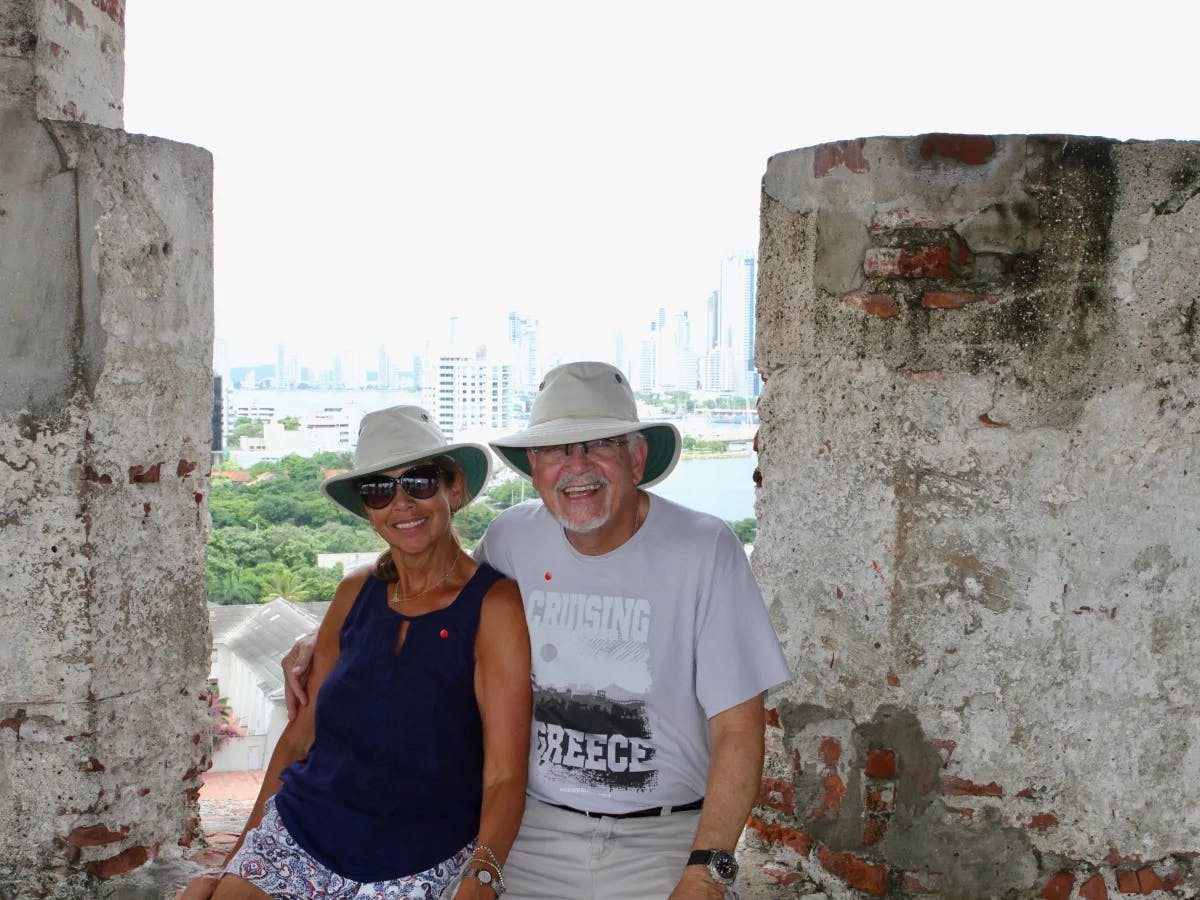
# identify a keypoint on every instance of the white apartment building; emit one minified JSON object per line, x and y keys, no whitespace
{"x":469,"y":395}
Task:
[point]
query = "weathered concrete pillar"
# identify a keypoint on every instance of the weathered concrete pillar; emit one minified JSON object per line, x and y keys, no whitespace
{"x":979,"y":528}
{"x":105,"y":395}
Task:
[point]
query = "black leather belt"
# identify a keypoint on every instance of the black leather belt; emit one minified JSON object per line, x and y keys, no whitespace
{"x":637,"y":813}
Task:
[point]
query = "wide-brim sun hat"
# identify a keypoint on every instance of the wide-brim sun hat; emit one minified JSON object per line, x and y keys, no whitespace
{"x":399,"y":437}
{"x":585,"y":401}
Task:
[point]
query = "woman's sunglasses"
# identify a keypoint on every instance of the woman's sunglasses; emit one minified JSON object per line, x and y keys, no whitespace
{"x":419,"y":482}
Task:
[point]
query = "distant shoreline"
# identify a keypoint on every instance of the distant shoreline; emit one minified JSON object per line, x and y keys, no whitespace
{"x":727,"y":454}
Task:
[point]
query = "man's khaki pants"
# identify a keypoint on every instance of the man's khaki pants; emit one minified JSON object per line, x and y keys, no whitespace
{"x":564,"y":855}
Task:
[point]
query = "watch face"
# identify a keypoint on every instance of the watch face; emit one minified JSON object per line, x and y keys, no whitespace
{"x":723,"y":866}
{"x":484,"y":876}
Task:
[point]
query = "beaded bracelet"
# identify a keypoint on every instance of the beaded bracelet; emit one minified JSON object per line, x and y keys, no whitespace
{"x":490,"y":862}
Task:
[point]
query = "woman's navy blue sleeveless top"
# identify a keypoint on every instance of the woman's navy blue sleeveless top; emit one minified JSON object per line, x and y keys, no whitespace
{"x":394,"y":780}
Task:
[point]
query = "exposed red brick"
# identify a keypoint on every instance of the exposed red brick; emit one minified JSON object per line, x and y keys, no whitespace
{"x":1027,"y":793}
{"x":893,"y":679}
{"x":963,"y":814}
{"x":142,"y":475}
{"x":119,"y":864}
{"x":880,"y":800}
{"x":855,"y":871}
{"x":953,"y":299}
{"x":773,"y":717}
{"x":989,"y":422}
{"x":185,"y":468}
{"x":55,"y":49}
{"x":781,"y":835}
{"x":1058,"y":887}
{"x":1094,"y":888}
{"x":882,"y":305}
{"x":830,"y":751}
{"x":1148,"y":880}
{"x":897,"y":262}
{"x":198,"y":497}
{"x":1041,"y":821}
{"x":96,"y":835}
{"x":953,"y":786}
{"x":14,"y":721}
{"x":143,"y":791}
{"x":92,"y":765}
{"x":827,"y":157}
{"x":833,"y":792}
{"x":880,"y":764}
{"x":1127,"y":882}
{"x":114,"y":9}
{"x":778,"y":793}
{"x":90,"y":473}
{"x":969,"y":149}
{"x":1172,"y":880}
{"x":874,"y":830}
{"x":75,"y":16}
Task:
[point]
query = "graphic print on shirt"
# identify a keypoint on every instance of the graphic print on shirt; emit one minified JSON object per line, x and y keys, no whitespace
{"x":591,"y":667}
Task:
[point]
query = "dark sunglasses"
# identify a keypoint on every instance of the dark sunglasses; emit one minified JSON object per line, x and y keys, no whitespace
{"x":419,"y":482}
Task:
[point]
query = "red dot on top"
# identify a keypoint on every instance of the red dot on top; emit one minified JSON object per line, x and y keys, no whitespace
{"x":548,"y":576}
{"x":444,"y":633}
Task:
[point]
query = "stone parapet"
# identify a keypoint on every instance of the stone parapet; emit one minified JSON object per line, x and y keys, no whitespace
{"x":105,"y":402}
{"x":979,"y":516}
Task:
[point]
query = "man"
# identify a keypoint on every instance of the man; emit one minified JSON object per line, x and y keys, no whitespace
{"x":652,"y":652}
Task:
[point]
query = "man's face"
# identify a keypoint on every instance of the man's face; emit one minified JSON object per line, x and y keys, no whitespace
{"x":589,"y":492}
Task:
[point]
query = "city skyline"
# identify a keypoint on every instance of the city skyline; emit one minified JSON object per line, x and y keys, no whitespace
{"x":707,"y":346}
{"x":476,"y":158}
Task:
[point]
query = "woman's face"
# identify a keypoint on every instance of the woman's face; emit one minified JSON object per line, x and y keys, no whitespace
{"x":413,"y":525}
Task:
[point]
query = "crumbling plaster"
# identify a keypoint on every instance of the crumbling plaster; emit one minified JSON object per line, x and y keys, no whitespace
{"x":105,"y":401}
{"x":979,"y":522}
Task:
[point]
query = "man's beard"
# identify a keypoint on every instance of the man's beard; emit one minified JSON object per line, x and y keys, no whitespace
{"x":587,"y":525}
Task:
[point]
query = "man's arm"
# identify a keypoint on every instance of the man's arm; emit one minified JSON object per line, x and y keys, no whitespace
{"x":734,"y":778}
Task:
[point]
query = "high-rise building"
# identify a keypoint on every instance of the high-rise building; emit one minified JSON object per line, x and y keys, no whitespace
{"x":735,"y":323}
{"x":466,"y":394}
{"x":383,"y":372}
{"x":523,"y":340}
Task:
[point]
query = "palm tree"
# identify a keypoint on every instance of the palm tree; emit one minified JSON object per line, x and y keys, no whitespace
{"x":284,"y":585}
{"x":231,"y":590}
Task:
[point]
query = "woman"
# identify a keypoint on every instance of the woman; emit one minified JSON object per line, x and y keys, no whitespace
{"x":410,"y":767}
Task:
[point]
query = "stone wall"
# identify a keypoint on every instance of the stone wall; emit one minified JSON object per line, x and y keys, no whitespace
{"x":979,"y":526}
{"x":105,"y":401}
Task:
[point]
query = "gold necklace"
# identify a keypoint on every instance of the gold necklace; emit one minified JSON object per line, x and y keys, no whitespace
{"x":396,"y":599}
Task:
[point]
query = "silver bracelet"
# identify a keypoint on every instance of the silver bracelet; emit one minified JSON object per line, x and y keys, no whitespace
{"x":491,"y":861}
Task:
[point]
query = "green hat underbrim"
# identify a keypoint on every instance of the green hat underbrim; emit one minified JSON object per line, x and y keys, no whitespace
{"x":663,"y":443}
{"x":474,"y":460}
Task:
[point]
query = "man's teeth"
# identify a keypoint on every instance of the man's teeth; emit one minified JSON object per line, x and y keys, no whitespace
{"x":581,"y":489}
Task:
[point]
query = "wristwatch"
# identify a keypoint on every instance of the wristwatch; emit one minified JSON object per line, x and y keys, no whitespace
{"x":721,"y":865}
{"x":483,"y":876}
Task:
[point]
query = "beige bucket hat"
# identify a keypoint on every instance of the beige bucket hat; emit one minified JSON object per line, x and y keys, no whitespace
{"x":584,"y":401}
{"x":402,"y":436}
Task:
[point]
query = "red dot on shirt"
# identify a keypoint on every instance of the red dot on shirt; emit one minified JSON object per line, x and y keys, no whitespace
{"x":548,"y":576}
{"x":444,"y":633}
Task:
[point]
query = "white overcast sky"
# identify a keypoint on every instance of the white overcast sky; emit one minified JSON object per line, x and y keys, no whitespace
{"x":380,"y":166}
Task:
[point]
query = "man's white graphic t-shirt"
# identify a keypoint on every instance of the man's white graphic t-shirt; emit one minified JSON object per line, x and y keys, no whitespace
{"x":633,"y":652}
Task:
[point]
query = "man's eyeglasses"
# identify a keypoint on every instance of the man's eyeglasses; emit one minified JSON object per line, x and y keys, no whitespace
{"x":419,"y":482}
{"x":601,"y":448}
